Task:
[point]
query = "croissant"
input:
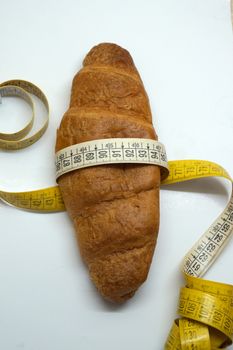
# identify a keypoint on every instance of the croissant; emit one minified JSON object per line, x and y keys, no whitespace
{"x":114,"y":208}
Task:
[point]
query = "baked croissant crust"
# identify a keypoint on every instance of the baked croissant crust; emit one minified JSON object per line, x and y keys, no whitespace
{"x":115,"y":208}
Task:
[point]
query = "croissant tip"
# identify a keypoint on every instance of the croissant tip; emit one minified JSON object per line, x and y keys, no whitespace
{"x":107,"y":53}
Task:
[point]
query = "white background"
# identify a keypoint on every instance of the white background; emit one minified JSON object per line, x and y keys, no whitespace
{"x":183,"y":50}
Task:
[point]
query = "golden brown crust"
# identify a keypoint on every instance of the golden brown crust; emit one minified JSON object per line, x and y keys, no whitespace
{"x":115,"y":208}
{"x":111,"y":91}
{"x":111,"y":55}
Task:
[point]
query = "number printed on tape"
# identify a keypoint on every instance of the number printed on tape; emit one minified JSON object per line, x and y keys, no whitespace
{"x":111,"y":151}
{"x":206,"y":307}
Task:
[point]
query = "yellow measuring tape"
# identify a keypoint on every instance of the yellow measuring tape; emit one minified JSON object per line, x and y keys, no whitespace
{"x":205,"y":307}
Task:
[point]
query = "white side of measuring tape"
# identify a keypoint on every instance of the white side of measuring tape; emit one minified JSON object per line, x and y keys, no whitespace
{"x":22,"y":89}
{"x":110,"y":151}
{"x":202,"y":255}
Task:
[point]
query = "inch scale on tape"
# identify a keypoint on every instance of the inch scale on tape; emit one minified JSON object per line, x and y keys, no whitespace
{"x":206,"y":307}
{"x":44,"y":200}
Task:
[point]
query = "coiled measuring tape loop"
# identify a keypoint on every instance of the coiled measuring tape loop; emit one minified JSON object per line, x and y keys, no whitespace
{"x":206,"y":307}
{"x":22,"y":88}
{"x":11,"y":90}
{"x":35,"y":200}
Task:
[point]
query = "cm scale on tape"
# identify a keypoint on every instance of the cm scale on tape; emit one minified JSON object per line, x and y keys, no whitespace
{"x":205,"y":307}
{"x":108,"y":151}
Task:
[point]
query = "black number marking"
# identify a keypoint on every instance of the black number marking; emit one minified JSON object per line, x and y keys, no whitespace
{"x":78,"y":158}
{"x":90,"y":156}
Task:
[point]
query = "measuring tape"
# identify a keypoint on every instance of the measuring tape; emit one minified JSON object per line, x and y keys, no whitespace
{"x":112,"y":151}
{"x":22,"y":88}
{"x":205,"y":307}
{"x":40,"y":200}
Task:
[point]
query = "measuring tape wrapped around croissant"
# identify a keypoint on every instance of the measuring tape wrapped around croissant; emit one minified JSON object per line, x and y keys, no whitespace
{"x":115,"y":208}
